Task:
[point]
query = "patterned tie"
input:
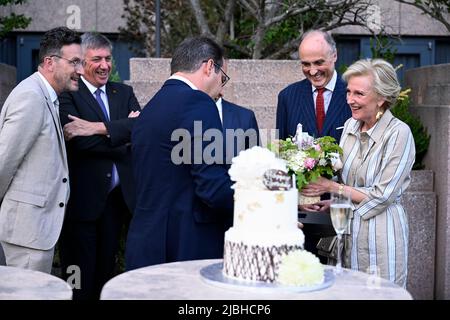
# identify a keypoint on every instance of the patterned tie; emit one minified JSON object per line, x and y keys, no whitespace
{"x":114,"y":173}
{"x":320,"y":109}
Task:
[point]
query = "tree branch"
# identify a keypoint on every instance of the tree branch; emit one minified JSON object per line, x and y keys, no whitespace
{"x":286,"y":14}
{"x":238,"y":48}
{"x":200,"y":17}
{"x":253,"y":10}
{"x":224,"y":24}
{"x":436,"y":11}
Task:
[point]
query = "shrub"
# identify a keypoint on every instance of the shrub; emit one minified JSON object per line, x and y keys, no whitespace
{"x":419,"y":132}
{"x":382,"y":47}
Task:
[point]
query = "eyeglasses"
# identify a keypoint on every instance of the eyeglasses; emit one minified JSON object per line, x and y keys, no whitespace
{"x":225,"y":77}
{"x":75,"y":62}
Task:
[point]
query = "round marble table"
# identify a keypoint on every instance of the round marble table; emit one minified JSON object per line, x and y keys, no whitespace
{"x":22,"y":284}
{"x":182,"y":280}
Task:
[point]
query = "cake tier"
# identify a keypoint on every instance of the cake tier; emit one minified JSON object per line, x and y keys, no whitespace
{"x":289,"y":236}
{"x":265,"y":210}
{"x":253,"y":262}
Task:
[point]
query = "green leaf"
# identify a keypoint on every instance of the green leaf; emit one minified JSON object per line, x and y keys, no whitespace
{"x":114,"y":75}
{"x":13,"y":21}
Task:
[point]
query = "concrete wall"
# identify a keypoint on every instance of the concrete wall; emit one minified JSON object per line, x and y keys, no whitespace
{"x":7,"y":81}
{"x":431,"y":101}
{"x":82,"y":15}
{"x":105,"y":16}
{"x":420,"y":205}
{"x":255,"y":84}
{"x":399,"y":19}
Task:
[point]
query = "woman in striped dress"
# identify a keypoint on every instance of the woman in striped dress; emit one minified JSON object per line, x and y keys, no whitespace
{"x":378,"y":156}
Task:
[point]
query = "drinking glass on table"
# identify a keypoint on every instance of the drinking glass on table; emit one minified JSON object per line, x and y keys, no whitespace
{"x":340,"y":209}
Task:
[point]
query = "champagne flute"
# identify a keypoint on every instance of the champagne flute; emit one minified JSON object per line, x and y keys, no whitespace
{"x":340,"y":216}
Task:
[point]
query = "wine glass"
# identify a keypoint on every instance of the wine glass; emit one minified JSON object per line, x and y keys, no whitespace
{"x":340,"y":209}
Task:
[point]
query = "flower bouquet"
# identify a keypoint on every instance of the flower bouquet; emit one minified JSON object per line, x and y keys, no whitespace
{"x":309,"y":159}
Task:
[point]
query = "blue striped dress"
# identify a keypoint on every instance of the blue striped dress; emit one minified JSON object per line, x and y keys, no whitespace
{"x":378,"y":163}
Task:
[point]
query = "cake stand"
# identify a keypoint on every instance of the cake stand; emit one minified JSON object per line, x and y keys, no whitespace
{"x":212,"y":274}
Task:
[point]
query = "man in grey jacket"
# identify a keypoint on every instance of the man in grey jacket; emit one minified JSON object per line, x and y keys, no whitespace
{"x":34,"y":187}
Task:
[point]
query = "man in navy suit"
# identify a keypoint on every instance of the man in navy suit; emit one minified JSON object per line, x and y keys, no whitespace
{"x":319,"y":103}
{"x":97,"y":126}
{"x":242,"y":128}
{"x":297,"y":102}
{"x":184,"y":196}
{"x":243,"y":132}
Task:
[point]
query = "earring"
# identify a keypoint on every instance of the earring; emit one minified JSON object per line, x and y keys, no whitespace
{"x":379,"y":115}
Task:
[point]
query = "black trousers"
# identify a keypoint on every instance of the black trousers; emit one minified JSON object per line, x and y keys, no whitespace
{"x":93,"y":245}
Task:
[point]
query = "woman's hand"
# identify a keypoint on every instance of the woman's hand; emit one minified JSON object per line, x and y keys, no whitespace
{"x":317,"y":188}
{"x":320,"y":206}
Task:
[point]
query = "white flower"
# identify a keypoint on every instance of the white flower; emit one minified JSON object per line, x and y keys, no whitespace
{"x":336,"y":162}
{"x":322,"y":162}
{"x":295,"y":160}
{"x":248,"y":168}
{"x":300,"y":268}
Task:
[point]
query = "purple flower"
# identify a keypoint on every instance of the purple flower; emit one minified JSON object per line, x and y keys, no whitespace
{"x":310,"y":163}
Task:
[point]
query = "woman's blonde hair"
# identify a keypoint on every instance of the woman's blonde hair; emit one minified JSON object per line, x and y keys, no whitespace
{"x":385,"y":81}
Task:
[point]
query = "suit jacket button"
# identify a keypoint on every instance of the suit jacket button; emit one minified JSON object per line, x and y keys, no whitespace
{"x":64,"y":180}
{"x":61,"y":204}
{"x":108,"y":175}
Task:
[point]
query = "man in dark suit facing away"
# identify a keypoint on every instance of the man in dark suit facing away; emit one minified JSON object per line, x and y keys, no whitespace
{"x":240,"y":127}
{"x":184,"y":199}
{"x":318,"y":102}
{"x":97,"y":127}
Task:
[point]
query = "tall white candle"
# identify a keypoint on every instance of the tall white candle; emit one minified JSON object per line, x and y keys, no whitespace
{"x":299,"y":135}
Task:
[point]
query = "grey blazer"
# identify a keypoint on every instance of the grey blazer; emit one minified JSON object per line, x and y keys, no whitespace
{"x":34,"y":186}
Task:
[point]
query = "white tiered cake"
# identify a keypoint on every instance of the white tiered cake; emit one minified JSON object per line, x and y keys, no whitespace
{"x":265,"y":221}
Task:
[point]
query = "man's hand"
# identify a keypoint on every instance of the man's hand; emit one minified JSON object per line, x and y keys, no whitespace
{"x":79,"y":127}
{"x":134,"y":114}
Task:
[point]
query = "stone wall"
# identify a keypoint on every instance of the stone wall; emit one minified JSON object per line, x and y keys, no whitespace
{"x":398,"y":18}
{"x":430,"y":100}
{"x":420,"y":205}
{"x":255,"y":84}
{"x":7,"y":81}
{"x":82,"y":15}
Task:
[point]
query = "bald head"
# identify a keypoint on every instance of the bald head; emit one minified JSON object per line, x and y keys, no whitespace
{"x":317,"y":52}
{"x":320,"y":37}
